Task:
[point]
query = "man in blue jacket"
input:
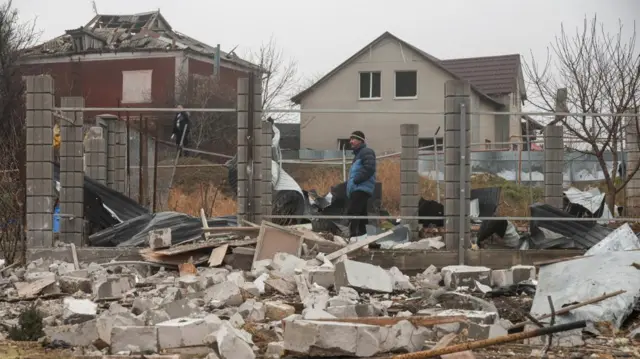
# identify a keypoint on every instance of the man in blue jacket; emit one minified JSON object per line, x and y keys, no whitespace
{"x":361,"y":183}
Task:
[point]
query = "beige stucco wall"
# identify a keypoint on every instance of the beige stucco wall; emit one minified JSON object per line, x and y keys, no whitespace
{"x":322,"y":131}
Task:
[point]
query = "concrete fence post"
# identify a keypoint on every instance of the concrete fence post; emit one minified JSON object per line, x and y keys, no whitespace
{"x":256,"y":151}
{"x":457,"y":95}
{"x":39,"y":172}
{"x":267,"y":176}
{"x":71,"y":174}
{"x":632,"y":190}
{"x":96,"y":155}
{"x":116,"y":152}
{"x":553,"y":165}
{"x":243,"y":150}
{"x":409,"y":187}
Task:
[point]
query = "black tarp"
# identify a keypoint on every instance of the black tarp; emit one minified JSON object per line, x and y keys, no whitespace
{"x":98,"y":196}
{"x":134,"y":232}
{"x":572,"y":234}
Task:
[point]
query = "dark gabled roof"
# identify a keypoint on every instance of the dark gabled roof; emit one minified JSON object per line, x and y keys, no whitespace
{"x":435,"y":61}
{"x":494,"y":75}
{"x":147,"y":31}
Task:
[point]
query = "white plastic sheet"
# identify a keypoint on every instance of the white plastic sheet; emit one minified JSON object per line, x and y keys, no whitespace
{"x":622,"y":239}
{"x":581,"y":279}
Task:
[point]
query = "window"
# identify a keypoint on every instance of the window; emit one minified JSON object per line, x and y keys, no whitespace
{"x":406,"y":84}
{"x":344,"y":144}
{"x":136,"y":86}
{"x":428,"y":143}
{"x":369,"y":85}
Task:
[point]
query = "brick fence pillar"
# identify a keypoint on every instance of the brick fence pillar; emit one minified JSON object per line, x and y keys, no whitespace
{"x":457,"y":93}
{"x":242,"y":104}
{"x":256,"y":151}
{"x":96,"y":155}
{"x":266,"y":199}
{"x":116,"y":152}
{"x":409,"y":187}
{"x":71,"y":174}
{"x":632,"y":190}
{"x":553,"y":165}
{"x":39,"y":173}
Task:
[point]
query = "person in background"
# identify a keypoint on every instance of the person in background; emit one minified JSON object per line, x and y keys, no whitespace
{"x":361,"y":184}
{"x":181,"y":124}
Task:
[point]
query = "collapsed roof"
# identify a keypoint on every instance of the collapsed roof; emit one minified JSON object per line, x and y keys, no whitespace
{"x":147,"y":31}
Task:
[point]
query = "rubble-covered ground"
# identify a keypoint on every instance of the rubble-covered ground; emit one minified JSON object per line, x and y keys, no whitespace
{"x":283,"y":307}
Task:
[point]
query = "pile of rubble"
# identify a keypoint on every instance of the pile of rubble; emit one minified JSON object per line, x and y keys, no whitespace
{"x":287,"y":304}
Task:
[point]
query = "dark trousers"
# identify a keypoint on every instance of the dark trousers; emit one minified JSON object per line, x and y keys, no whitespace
{"x":358,"y":207}
{"x":185,"y":143}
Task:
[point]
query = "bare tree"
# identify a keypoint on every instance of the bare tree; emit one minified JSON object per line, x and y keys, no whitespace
{"x":279,"y":77}
{"x":304,"y":84}
{"x":601,"y":72}
{"x":15,"y":37}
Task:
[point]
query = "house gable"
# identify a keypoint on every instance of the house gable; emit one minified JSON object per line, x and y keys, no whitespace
{"x":405,"y":53}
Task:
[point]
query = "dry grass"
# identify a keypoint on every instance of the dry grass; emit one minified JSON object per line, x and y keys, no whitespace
{"x":189,"y":197}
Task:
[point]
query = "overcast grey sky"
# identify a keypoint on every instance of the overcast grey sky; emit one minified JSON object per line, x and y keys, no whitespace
{"x":322,"y":34}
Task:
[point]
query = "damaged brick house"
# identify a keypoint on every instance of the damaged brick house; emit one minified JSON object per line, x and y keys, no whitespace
{"x":134,"y":61}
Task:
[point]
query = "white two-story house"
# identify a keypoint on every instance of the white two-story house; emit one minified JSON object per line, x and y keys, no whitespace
{"x":390,"y":74}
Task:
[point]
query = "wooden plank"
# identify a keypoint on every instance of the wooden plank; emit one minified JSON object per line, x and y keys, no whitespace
{"x":357,"y":245}
{"x":412,"y":261}
{"x":217,"y":255}
{"x":244,"y":230}
{"x":185,"y":248}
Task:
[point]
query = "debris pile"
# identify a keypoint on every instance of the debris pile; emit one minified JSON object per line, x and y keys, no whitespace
{"x":264,"y":292}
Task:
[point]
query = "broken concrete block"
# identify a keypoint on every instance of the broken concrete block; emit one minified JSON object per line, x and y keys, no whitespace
{"x":112,"y":287}
{"x":34,"y":276}
{"x":233,"y":345}
{"x":316,"y":297}
{"x":236,"y":277}
{"x":523,"y":273}
{"x":77,"y":335}
{"x":134,"y":339}
{"x":190,"y":282}
{"x":403,"y":337}
{"x":287,"y":264}
{"x":180,"y":308}
{"x":465,"y":276}
{"x":401,"y":281}
{"x":475,"y":316}
{"x":252,"y":311}
{"x":485,"y":331}
{"x":182,"y":332}
{"x":514,"y":275}
{"x":214,"y":276}
{"x":78,"y":310}
{"x":353,"y":311}
{"x":225,"y":293}
{"x":260,"y":282}
{"x":153,"y":317}
{"x":346,"y":296}
{"x":160,"y":238}
{"x":251,"y":288}
{"x":313,"y":314}
{"x":322,"y":276}
{"x":363,"y":276}
{"x":107,"y":321}
{"x":140,"y":305}
{"x":332,"y":339}
{"x":236,"y":320}
{"x":275,"y":350}
{"x":64,"y":268}
{"x":260,"y":267}
{"x":278,"y":310}
{"x":71,"y":285}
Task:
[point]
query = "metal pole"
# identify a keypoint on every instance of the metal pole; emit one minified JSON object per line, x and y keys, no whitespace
{"x":141,"y":149}
{"x":155,"y":169}
{"x":463,"y":176}
{"x":528,"y":144}
{"x":250,"y":148}
{"x":435,"y":163}
{"x":128,"y":158}
{"x":344,"y":164}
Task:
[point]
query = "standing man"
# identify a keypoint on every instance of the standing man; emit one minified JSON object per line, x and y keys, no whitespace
{"x":361,"y":184}
{"x":181,"y":124}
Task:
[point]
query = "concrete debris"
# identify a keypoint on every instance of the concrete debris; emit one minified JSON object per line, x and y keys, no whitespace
{"x":324,"y":305}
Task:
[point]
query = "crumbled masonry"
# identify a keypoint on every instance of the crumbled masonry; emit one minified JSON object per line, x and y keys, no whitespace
{"x":288,"y":305}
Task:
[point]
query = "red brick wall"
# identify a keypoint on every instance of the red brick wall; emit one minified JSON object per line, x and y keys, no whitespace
{"x":100,"y":82}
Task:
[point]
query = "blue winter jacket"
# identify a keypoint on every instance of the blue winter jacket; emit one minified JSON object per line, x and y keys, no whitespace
{"x":362,"y":175}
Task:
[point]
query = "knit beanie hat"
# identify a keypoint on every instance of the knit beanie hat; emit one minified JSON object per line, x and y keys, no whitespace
{"x":357,"y":135}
